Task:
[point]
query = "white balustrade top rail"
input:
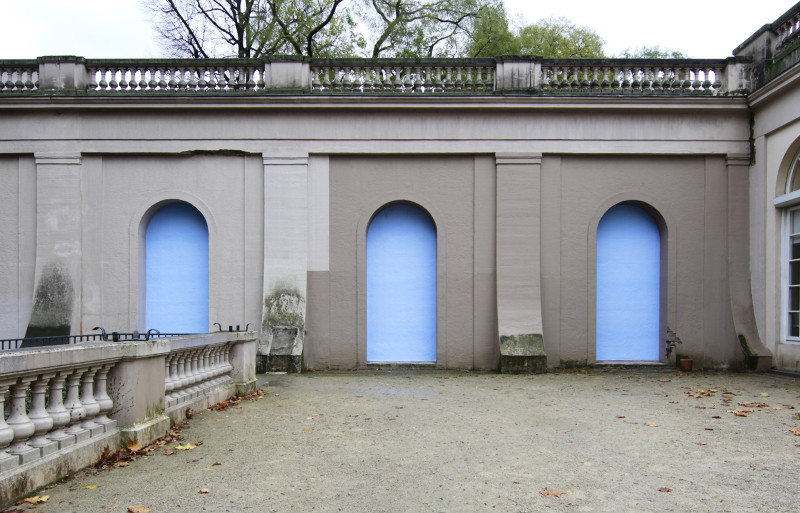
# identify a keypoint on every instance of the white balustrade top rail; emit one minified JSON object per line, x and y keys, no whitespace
{"x":787,"y":27}
{"x":531,"y":76}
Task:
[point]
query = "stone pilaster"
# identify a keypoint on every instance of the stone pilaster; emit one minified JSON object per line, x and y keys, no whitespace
{"x":519,"y":298}
{"x":57,"y":292}
{"x":285,"y":260}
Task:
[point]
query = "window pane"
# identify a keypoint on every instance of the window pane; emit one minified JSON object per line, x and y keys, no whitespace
{"x":795,"y":248}
{"x":794,"y":298}
{"x":794,"y":324}
{"x":794,"y":275}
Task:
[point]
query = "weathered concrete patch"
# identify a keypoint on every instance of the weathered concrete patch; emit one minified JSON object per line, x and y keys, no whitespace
{"x":522,"y":353}
{"x":52,"y":304}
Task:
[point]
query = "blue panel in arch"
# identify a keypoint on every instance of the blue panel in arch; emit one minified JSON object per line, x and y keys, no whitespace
{"x":177,"y":270}
{"x":401,"y":286}
{"x":628,"y":285}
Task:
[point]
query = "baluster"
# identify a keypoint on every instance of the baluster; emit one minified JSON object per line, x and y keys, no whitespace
{"x":103,"y":83}
{"x":103,"y":400}
{"x":19,"y":422}
{"x":58,"y":412}
{"x":174,"y":394}
{"x":73,"y":405}
{"x":123,"y":79}
{"x":162,"y":84}
{"x":113,"y":84}
{"x":717,"y":85}
{"x":172,"y":83}
{"x":316,"y":85}
{"x":152,"y":83}
{"x":183,"y":84}
{"x":169,"y":385}
{"x":326,"y":78}
{"x":336,"y":85}
{"x":448,"y":81}
{"x":227,"y":357}
{"x":636,"y":84}
{"x":42,"y":420}
{"x":7,"y":461}
{"x":392,"y":80}
{"x":707,"y":80}
{"x":183,"y":379}
{"x":206,"y":365}
{"x":92,"y":72}
{"x":625,"y":84}
{"x":89,"y":402}
{"x":247,"y":78}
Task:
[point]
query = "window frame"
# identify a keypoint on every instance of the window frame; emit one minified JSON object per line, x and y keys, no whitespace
{"x":789,"y":203}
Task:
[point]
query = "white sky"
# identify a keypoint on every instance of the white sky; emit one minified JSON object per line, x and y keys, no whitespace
{"x":121,"y":28}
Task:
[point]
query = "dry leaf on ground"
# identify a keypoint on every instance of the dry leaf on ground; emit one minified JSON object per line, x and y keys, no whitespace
{"x":352,"y":415}
{"x":89,"y":487}
{"x":185,"y":447}
{"x":139,"y":509}
{"x":216,"y":463}
{"x":741,"y":413}
{"x":651,"y":424}
{"x":553,"y":493}
{"x":134,"y":445}
{"x":664,"y":489}
{"x":203,"y":490}
{"x":795,"y":431}
{"x":37,"y":499}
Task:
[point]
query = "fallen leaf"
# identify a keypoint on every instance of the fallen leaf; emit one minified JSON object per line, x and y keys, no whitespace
{"x":796,"y":416}
{"x":308,"y":430}
{"x":788,"y":406}
{"x":37,"y":499}
{"x":110,"y":506}
{"x":664,"y":489}
{"x":651,"y":424}
{"x":134,"y":445}
{"x":741,"y":413}
{"x":139,"y":509}
{"x":216,"y":463}
{"x":203,"y":490}
{"x":764,"y":394}
{"x":620,"y":416}
{"x":198,"y":444}
{"x":701,"y":443}
{"x":169,"y":452}
{"x":399,"y":407}
{"x":553,"y":493}
{"x":90,"y":487}
{"x":795,"y":431}
{"x":752,"y":405}
{"x":121,"y":464}
{"x":186,"y":447}
{"x":352,"y":415}
{"x":189,"y":413}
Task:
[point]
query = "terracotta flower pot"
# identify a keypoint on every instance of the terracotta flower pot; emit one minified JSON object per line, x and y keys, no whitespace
{"x":686,"y":364}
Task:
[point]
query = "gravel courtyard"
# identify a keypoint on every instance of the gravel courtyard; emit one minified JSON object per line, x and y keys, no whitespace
{"x":455,"y":441}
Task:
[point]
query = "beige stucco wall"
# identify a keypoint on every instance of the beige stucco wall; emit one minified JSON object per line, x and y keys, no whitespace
{"x":776,"y":134}
{"x":458,"y":193}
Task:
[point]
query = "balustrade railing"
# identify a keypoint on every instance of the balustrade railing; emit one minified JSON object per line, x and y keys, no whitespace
{"x":50,"y":410}
{"x":19,"y":76}
{"x":189,"y":373}
{"x":788,"y":27}
{"x":398,"y":76}
{"x":389,"y":77}
{"x":625,"y":77}
{"x":177,"y":75}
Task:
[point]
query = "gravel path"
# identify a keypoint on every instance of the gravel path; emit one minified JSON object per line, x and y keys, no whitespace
{"x":453,"y":441}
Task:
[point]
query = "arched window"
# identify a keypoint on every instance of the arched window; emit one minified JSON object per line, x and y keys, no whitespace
{"x":628,"y":285}
{"x":791,"y":254}
{"x":401,"y":286}
{"x":176,"y":270}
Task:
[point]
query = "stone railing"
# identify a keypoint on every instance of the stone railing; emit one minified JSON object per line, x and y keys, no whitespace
{"x":403,"y":76}
{"x":501,"y":76}
{"x":632,"y":77}
{"x":64,"y":405}
{"x":787,"y":27}
{"x":19,"y":76}
{"x":176,"y":75}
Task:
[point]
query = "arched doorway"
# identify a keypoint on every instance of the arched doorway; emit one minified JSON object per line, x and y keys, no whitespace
{"x":401,"y":286}
{"x":176,"y":256}
{"x":628,"y":285}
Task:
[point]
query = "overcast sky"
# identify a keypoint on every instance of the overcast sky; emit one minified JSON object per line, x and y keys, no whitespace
{"x":121,"y":28}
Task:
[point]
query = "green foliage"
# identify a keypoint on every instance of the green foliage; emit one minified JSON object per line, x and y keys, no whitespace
{"x":559,"y":37}
{"x":652,"y":52}
{"x":552,"y":37}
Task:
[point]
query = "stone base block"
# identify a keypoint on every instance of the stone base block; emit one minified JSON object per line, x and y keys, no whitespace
{"x":522,"y":354}
{"x":108,"y":425}
{"x":146,"y":432}
{"x":7,"y":461}
{"x":758,"y":363}
{"x":285,"y":363}
{"x":80,"y":436}
{"x":246,"y":388}
{"x":96,"y":430}
{"x":64,"y":441}
{"x":536,"y":364}
{"x":27,"y":455}
{"x":47,"y":448}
